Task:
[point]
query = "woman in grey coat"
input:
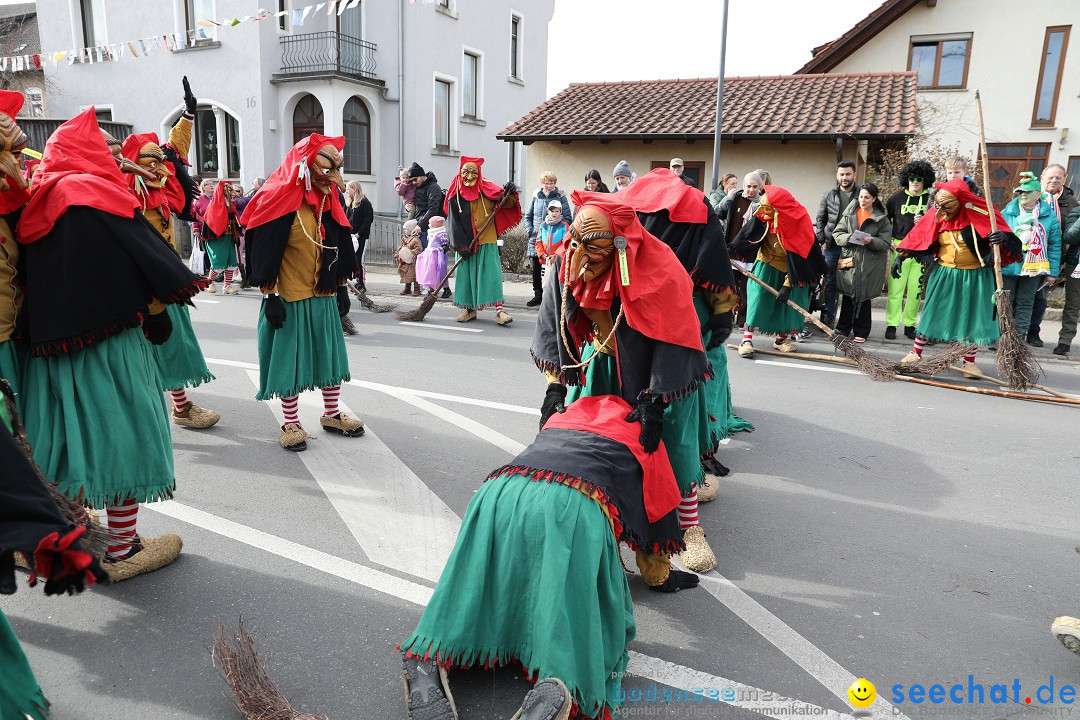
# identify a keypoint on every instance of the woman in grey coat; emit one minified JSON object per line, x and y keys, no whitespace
{"x":864,"y":235}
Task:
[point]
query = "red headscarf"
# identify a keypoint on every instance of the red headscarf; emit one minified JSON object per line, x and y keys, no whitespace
{"x":792,"y":223}
{"x":217,"y":213}
{"x":76,"y":169}
{"x":658,"y":302}
{"x":285,"y":189}
{"x":605,"y":415}
{"x":14,"y":198}
{"x":505,"y":217}
{"x":170,"y":195}
{"x":662,"y":189}
{"x":973,"y":212}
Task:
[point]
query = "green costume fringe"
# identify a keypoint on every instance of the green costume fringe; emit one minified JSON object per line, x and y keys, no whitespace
{"x":959,"y":306}
{"x":180,"y":360}
{"x":763,"y":313}
{"x":478,"y":281}
{"x":307,"y":353}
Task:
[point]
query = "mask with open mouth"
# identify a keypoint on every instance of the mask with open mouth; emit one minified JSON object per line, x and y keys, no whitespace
{"x":592,"y":246}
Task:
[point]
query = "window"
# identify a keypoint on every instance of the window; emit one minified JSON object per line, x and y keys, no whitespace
{"x":196,"y":10}
{"x":470,"y":87}
{"x":940,"y":60}
{"x":1053,"y":64}
{"x":307,"y":118}
{"x":283,"y":20}
{"x":232,"y":143}
{"x":1006,"y":162}
{"x":211,"y":123}
{"x":206,"y":142}
{"x":357,"y":123}
{"x":442,"y":114}
{"x":93,"y":22}
{"x":515,"y":47}
{"x":1072,"y":177}
{"x":103,"y":114}
{"x":351,"y":23}
{"x":693,"y":169}
{"x":35,"y":102}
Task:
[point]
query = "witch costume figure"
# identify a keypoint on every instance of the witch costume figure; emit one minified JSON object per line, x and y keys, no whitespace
{"x":301,"y":255}
{"x":618,"y":318}
{"x":13,"y":196}
{"x":220,"y":233}
{"x":170,"y":191}
{"x":535,"y":576}
{"x":679,"y":216}
{"x":471,"y":203}
{"x":779,"y":239}
{"x":957,"y":240}
{"x":95,"y":415}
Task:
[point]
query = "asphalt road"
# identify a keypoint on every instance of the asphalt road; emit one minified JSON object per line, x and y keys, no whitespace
{"x":905,"y":534}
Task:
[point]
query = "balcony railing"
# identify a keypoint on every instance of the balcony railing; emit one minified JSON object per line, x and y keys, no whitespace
{"x":327,"y":52}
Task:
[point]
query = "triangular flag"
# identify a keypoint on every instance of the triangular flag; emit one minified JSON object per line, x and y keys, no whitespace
{"x":353,"y":3}
{"x":58,"y":56}
{"x":303,"y":16}
{"x":342,"y":6}
{"x":332,"y":7}
{"x":37,"y":61}
{"x":318,"y":7}
{"x":100,"y":55}
{"x":3,"y":64}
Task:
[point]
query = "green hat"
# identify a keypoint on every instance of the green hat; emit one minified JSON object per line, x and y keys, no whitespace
{"x":1029,"y":183}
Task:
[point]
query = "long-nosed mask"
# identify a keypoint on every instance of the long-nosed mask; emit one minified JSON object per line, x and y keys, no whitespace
{"x":326,"y":170}
{"x":592,"y":245}
{"x":12,"y":142}
{"x":152,"y":160}
{"x":948,"y":205}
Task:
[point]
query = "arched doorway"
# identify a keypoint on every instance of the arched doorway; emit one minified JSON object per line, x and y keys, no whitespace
{"x":357,"y":124}
{"x":307,"y":118}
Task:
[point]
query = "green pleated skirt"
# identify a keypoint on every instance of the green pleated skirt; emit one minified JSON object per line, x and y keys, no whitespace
{"x":222,"y":252}
{"x":534,"y":577}
{"x":959,"y":306}
{"x":763,"y":313}
{"x":720,"y":420}
{"x":13,"y":359}
{"x":681,"y":418}
{"x":307,"y":353}
{"x":98,"y":424}
{"x":180,"y":361}
{"x":478,"y":280}
{"x":20,"y":696}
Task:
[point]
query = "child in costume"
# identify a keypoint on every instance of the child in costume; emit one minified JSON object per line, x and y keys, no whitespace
{"x":960,"y":290}
{"x":620,"y":320}
{"x":1035,"y":223}
{"x":295,"y":224}
{"x":550,"y":235}
{"x":407,"y":252}
{"x":431,"y":264}
{"x":535,"y":576}
{"x":780,"y":240}
{"x":905,"y":207}
{"x":220,"y":230}
{"x":95,"y":415}
{"x":476,"y":220}
{"x":170,"y":191}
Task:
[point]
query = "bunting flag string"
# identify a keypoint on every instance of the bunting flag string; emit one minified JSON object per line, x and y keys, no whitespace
{"x":171,"y":42}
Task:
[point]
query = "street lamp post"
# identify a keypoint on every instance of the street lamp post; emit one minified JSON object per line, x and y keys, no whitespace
{"x":719,"y":100}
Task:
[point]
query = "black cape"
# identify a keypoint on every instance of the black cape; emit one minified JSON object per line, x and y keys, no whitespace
{"x":801,"y":270}
{"x":266,"y":245}
{"x":701,"y":248}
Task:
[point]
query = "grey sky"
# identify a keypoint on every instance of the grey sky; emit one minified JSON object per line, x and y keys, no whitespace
{"x":609,"y":40}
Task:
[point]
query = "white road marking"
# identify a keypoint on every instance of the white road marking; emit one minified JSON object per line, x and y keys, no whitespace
{"x":809,"y":366}
{"x":379,"y":498}
{"x":441,"y":327}
{"x":208,"y":302}
{"x":480,"y":430}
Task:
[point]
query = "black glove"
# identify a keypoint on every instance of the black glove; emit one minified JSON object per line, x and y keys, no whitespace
{"x":650,"y":413}
{"x":896,"y":263}
{"x":510,"y":188}
{"x":464,"y":252}
{"x":189,"y":99}
{"x":676,"y":580}
{"x":996,"y":237}
{"x":157,"y":328}
{"x":554,"y":402}
{"x":720,"y":326}
{"x":784,"y":294}
{"x":274,"y":310}
{"x":343,"y":302}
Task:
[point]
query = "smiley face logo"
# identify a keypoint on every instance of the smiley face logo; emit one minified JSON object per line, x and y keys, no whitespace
{"x":862,"y":693}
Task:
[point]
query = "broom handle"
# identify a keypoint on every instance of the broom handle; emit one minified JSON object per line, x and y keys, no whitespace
{"x":989,"y":196}
{"x":487,"y":223}
{"x":821,"y":326}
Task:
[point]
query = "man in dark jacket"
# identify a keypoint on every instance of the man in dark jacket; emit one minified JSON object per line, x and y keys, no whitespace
{"x":1063,"y":201}
{"x":735,"y":211}
{"x":428,"y":199}
{"x":1070,"y":247}
{"x":833,"y":204}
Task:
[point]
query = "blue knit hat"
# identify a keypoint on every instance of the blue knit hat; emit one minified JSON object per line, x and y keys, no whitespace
{"x":622,"y":169}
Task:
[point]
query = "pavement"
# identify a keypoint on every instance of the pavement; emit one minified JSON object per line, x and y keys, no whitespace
{"x":904,"y":534}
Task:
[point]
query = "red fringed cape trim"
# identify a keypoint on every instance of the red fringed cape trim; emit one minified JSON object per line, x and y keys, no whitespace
{"x":699,"y":282}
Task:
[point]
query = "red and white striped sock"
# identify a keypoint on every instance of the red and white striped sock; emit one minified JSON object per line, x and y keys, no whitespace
{"x":919,"y":346}
{"x":288,"y":409}
{"x":122,"y":520}
{"x":688,"y":516}
{"x":228,"y":276}
{"x":747,"y":334}
{"x":330,"y":397}
{"x":781,"y":338}
{"x":212,"y":276}
{"x":498,"y":306}
{"x":970,"y":357}
{"x":180,"y":400}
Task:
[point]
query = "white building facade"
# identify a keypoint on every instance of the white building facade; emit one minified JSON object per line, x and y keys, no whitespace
{"x":403,"y":82}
